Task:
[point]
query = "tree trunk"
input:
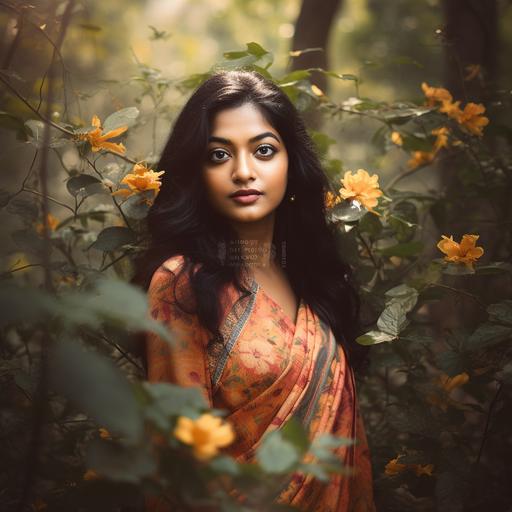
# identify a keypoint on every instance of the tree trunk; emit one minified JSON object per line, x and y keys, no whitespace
{"x":312,"y":30}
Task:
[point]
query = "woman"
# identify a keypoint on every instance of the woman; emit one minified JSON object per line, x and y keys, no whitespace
{"x":244,"y":268}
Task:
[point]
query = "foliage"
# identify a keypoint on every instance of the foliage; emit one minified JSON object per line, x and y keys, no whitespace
{"x":435,"y":395}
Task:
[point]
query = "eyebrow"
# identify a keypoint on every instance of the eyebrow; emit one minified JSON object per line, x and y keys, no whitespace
{"x":252,"y":139}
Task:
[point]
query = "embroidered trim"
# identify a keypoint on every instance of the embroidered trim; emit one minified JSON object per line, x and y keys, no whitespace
{"x":230,"y":329}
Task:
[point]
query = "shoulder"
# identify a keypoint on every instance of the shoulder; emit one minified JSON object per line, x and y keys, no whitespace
{"x":170,"y":280}
{"x":174,"y":263}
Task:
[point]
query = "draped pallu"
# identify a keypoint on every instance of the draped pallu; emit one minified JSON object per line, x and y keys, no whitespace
{"x":269,"y":370}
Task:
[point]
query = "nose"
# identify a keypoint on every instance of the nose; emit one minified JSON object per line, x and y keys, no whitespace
{"x":243,"y":167}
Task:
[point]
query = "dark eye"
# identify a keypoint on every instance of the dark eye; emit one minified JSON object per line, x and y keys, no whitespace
{"x":267,"y":150}
{"x":218,"y":153}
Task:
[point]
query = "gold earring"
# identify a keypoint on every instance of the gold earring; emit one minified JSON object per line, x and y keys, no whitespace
{"x":292,"y":197}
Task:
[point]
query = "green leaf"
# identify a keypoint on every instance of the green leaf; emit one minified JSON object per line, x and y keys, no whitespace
{"x":370,"y":224}
{"x":393,"y":319}
{"x":316,"y":470}
{"x":23,"y":304}
{"x":495,"y":267}
{"x":275,"y":454}
{"x":113,"y":238}
{"x":256,"y":49}
{"x":406,"y":249}
{"x":294,"y":432}
{"x":501,"y":312}
{"x":120,"y":463}
{"x":169,"y":400}
{"x":488,"y":335}
{"x":124,"y":117}
{"x":225,"y":465}
{"x":293,"y":77}
{"x":97,"y":387}
{"x":137,"y":206}
{"x":406,"y":295}
{"x":322,"y":447}
{"x":84,"y":184}
{"x":375,"y":337}
{"x":450,"y":362}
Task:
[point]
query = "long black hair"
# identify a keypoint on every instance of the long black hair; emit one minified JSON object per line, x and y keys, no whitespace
{"x":181,"y":221}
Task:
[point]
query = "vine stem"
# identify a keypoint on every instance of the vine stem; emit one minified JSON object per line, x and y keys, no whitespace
{"x":41,"y":399}
{"x":487,"y":422}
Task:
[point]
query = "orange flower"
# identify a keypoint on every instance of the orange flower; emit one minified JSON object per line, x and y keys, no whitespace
{"x":472,"y":119}
{"x":447,"y":384}
{"x":423,"y":470}
{"x":473,"y":71}
{"x":420,"y":158}
{"x":139,"y":180}
{"x":98,"y":140}
{"x":466,"y":252}
{"x":331,"y":200}
{"x":39,"y":505}
{"x":104,"y":433}
{"x":90,"y":474}
{"x":393,"y":467}
{"x":435,"y":94}
{"x":396,"y":138}
{"x":442,"y":138}
{"x":206,"y":434}
{"x":451,"y":110}
{"x":53,"y":222}
{"x":361,"y":187}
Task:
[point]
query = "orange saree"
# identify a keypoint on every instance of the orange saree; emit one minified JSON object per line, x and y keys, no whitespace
{"x":271,"y":369}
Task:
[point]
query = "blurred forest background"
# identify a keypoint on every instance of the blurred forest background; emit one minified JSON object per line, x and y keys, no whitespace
{"x":449,"y":452}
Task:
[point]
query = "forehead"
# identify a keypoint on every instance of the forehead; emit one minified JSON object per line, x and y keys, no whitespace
{"x":240,"y":122}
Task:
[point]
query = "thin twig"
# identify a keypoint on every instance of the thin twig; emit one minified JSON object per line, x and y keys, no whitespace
{"x":42,"y":390}
{"x":487,"y":422}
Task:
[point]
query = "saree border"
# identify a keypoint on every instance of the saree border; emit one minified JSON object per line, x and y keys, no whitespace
{"x":231,"y":329}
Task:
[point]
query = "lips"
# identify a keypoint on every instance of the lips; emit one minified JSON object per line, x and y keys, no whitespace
{"x":246,"y":192}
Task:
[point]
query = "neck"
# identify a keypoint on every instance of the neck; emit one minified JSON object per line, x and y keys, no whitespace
{"x":254,"y":245}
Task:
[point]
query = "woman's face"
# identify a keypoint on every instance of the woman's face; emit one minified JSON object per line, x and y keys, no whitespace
{"x":245,"y":152}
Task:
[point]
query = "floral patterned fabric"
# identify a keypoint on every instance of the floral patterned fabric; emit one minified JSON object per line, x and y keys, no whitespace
{"x":269,"y":370}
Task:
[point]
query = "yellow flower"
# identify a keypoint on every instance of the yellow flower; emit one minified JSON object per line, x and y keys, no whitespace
{"x":331,"y":200}
{"x":53,"y":222}
{"x":465,"y":252}
{"x":139,"y":180}
{"x":435,"y":94}
{"x":90,"y":474}
{"x":396,"y":138}
{"x":420,"y":158}
{"x":472,"y":119}
{"x":206,"y":434}
{"x":361,"y":187}
{"x":442,"y":138}
{"x":473,"y":71}
{"x":393,"y":467}
{"x":104,"y":433}
{"x":98,"y":140}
